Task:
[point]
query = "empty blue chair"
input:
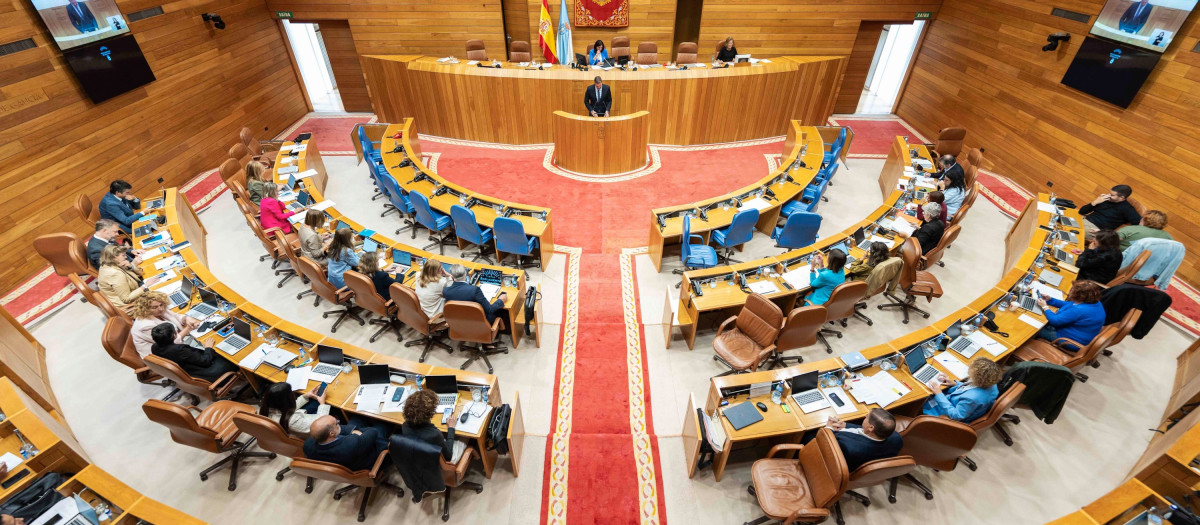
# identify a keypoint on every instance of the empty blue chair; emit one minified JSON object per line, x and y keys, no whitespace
{"x":374,"y":171}
{"x":836,"y":148}
{"x":739,"y":232}
{"x":695,"y":256}
{"x":806,"y":203}
{"x":370,"y":149}
{"x":468,"y":230}
{"x":799,"y":231}
{"x":511,"y":238}
{"x":399,"y":200}
{"x":438,"y":224}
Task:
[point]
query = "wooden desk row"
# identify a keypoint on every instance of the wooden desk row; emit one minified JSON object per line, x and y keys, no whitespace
{"x":780,"y":426}
{"x":341,"y":392}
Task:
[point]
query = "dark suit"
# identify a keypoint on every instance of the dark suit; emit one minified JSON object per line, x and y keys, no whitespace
{"x":82,"y":18}
{"x":95,"y":246}
{"x":954,"y":168}
{"x":859,"y":449}
{"x":600,"y":104}
{"x":353,"y":451}
{"x":929,"y":235}
{"x":120,"y":210}
{"x":461,"y":291}
{"x":203,"y":364}
{"x":430,"y":434}
{"x":1132,"y":21}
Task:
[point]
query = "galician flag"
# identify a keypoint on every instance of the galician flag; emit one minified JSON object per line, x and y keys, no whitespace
{"x":546,"y":34}
{"x":566,"y":49}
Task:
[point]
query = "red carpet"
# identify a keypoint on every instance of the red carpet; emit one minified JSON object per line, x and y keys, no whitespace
{"x":873,"y":136}
{"x":332,"y":132}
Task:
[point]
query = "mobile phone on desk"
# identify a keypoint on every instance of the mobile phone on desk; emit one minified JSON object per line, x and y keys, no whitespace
{"x":321,"y":388}
{"x":226,"y":330}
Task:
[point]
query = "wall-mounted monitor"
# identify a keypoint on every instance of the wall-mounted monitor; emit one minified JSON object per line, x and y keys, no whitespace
{"x":1148,"y":24}
{"x":75,"y":23}
{"x":107,"y":69}
{"x":1110,"y":71}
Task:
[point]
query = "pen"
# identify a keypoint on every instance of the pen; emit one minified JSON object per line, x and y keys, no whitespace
{"x":905,"y":383}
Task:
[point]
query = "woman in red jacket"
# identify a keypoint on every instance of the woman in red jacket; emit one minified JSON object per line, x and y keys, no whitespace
{"x":271,"y":212}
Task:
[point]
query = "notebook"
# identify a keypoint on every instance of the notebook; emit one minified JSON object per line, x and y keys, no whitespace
{"x":743,"y":415}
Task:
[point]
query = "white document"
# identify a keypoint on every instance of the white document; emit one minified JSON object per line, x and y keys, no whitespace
{"x":715,"y":432}
{"x":847,"y":403}
{"x":167,"y":263}
{"x":888,"y":384}
{"x":305,"y":174}
{"x":296,"y":218}
{"x":472,"y":62}
{"x":489,"y":290}
{"x":763,"y":287}
{"x":216,"y":319}
{"x":300,"y":148}
{"x":1047,"y":207}
{"x":251,"y":362}
{"x":908,"y":171}
{"x":993,"y":346}
{"x":902,"y":226}
{"x":765,"y":61}
{"x":952,"y":365}
{"x":474,"y":423}
{"x":756,"y":203}
{"x":12,"y":461}
{"x":323,"y":205}
{"x":369,"y":397}
{"x":1047,"y":291}
{"x":180,"y":246}
{"x":697,"y":65}
{"x":159,"y":240}
{"x":287,"y":148}
{"x":1032,"y":321}
{"x":444,"y":60}
{"x":287,"y":159}
{"x":298,"y":377}
{"x":885,"y":240}
{"x":798,"y":278}
{"x":522,"y":64}
{"x":926,"y":183}
{"x":169,"y":288}
{"x":396,"y":406}
{"x":166,"y":276}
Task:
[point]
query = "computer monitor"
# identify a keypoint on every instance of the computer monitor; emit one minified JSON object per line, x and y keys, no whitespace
{"x":369,"y":245}
{"x":241,"y":328}
{"x":330,"y":355}
{"x":806,"y":381}
{"x":291,"y":182}
{"x":374,"y":375}
{"x":860,"y":235}
{"x":303,"y":198}
{"x":185,"y":286}
{"x":446,"y":384}
{"x":915,"y":359}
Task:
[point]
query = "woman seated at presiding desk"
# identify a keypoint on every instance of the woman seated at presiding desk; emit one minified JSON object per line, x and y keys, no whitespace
{"x":727,"y":53}
{"x":295,"y":414}
{"x":598,"y":55}
{"x":1079,"y":318}
{"x":119,"y":280}
{"x":202,"y":363}
{"x":967,"y":401}
{"x":150,"y":310}
{"x":825,"y":278}
{"x":1101,"y":260}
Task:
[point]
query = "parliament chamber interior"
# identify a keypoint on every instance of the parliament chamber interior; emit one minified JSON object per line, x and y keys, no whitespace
{"x":808,"y":261}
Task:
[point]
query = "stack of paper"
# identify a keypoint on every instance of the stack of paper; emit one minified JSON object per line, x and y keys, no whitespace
{"x":952,"y":365}
{"x":167,"y":263}
{"x":799,"y":277}
{"x":715,"y":432}
{"x":1047,"y":207}
{"x":298,"y":377}
{"x":396,"y":406}
{"x":882,"y":389}
{"x":321,"y":206}
{"x":902,"y":226}
{"x":255,"y":358}
{"x":489,"y":290}
{"x":474,"y":422}
{"x":1047,"y":291}
{"x":993,"y":346}
{"x":763,"y":287}
{"x":305,"y":174}
{"x":847,"y":405}
{"x":1032,"y":321}
{"x":756,"y":203}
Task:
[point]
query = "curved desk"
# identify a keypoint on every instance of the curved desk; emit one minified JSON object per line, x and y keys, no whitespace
{"x":515,"y":105}
{"x":601,"y":145}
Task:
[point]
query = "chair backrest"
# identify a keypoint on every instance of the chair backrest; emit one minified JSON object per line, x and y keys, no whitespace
{"x":182,"y":425}
{"x":87,"y":211}
{"x":67,"y":254}
{"x":265,"y":239}
{"x":475,"y":50}
{"x":183,"y":381}
{"x":240,"y":153}
{"x":365,"y":141}
{"x":116,"y":341}
{"x":936,"y":442}
{"x":760,"y":320}
{"x":422,"y":210}
{"x":824,"y":469}
{"x":519,"y":51}
{"x":686,"y":53}
{"x":465,"y":226}
{"x":1125,"y":325}
{"x":685,"y":248}
{"x":647,"y":53}
{"x":936,"y":253}
{"x":958,"y":217}
{"x":418,"y":462}
{"x":1089,"y":352}
{"x":317,"y":280}
{"x":247,"y":139}
{"x":620,"y":47}
{"x":881,"y":470}
{"x":975,"y":157}
{"x":270,"y":435}
{"x":365,"y":295}
{"x":282,"y":246}
{"x":800,"y":230}
{"x":1007,"y":400}
{"x":1136,"y":205}
{"x":230,"y":170}
{"x":395,"y":194}
{"x":242,"y":197}
{"x":884,"y":276}
{"x":910,"y":252}
{"x":843,"y":298}
{"x":950,"y":141}
{"x":408,"y":308}
{"x":510,"y":236}
{"x":467,"y":322}
{"x":331,"y":472}
{"x":741,"y":228}
{"x":1123,"y":275}
{"x":800,"y":329}
{"x":970,"y":174}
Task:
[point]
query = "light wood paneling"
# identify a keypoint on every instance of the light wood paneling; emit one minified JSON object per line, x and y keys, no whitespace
{"x":343,"y":58}
{"x":210,"y":84}
{"x":516,"y":21}
{"x":649,"y":21}
{"x":857,"y":66}
{"x":515,"y":106}
{"x":600,"y":146}
{"x":982,"y":67}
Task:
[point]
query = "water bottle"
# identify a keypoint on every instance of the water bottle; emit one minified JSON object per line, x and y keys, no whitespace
{"x":1053,"y":199}
{"x":1041,"y":260}
{"x":979,"y":321}
{"x":777,"y":393}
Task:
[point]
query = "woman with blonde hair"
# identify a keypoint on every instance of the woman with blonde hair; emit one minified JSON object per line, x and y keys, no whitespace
{"x":313,"y":244}
{"x":432,"y":280}
{"x":271,"y":212}
{"x":118,"y":279}
{"x":967,"y":401}
{"x":254,"y":181}
{"x":150,"y":309}
{"x":727,"y":52}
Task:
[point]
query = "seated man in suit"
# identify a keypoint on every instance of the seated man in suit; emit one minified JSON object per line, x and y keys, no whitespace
{"x":353,"y":448}
{"x":202,"y":364}
{"x":106,"y":234}
{"x":119,"y":205}
{"x":949,"y":165}
{"x":598,"y":99}
{"x":461,"y":290}
{"x":875,"y":439}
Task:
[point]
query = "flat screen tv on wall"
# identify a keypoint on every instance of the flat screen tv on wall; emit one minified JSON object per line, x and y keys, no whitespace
{"x":1148,"y":24}
{"x":108,"y":68}
{"x":1110,"y":71}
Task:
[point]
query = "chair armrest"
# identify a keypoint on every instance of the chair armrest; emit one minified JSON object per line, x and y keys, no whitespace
{"x":496,"y":327}
{"x":439,"y":318}
{"x":379,"y":463}
{"x":808,"y":516}
{"x":1058,"y":342}
{"x":783,"y":447}
{"x":725,"y":325}
{"x":459,"y":469}
{"x":697,"y":237}
{"x":272,"y":232}
{"x":221,"y":387}
{"x":193,"y":407}
{"x":763,"y":354}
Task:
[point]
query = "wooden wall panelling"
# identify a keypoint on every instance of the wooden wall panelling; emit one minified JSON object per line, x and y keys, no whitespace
{"x":343,"y":59}
{"x":857,"y":66}
{"x":981,"y":66}
{"x":516,"y":21}
{"x":55,"y":143}
{"x":649,"y":21}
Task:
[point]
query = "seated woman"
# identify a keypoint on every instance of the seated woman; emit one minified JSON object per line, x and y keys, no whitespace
{"x":118,"y":280}
{"x":429,"y":287}
{"x":954,"y":191}
{"x":967,"y":401}
{"x":200,"y":363}
{"x":933,"y":196}
{"x":255,"y":182}
{"x":368,"y":265}
{"x":860,"y":269}
{"x":342,"y":256}
{"x":1079,"y":318}
{"x":295,"y":414}
{"x":1101,"y":260}
{"x":419,"y":410}
{"x":271,"y":212}
{"x":727,"y":53}
{"x":313,"y":244}
{"x":931,"y":230}
{"x":598,"y":55}
{"x":825,"y":276}
{"x":150,"y":310}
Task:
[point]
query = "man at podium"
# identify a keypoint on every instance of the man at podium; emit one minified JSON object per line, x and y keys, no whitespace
{"x":598,"y":99}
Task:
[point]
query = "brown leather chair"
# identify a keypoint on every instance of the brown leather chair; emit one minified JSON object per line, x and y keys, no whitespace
{"x":289,"y":254}
{"x":996,"y":416}
{"x":970,"y":175}
{"x":88,"y":212}
{"x":367,"y":298}
{"x":475,"y":50}
{"x":1124,"y":326}
{"x":241,"y":154}
{"x":199,"y":389}
{"x":801,"y":489}
{"x":468,"y":324}
{"x":453,"y":476}
{"x":230,"y":170}
{"x":263,"y":152}
{"x":242,"y":197}
{"x":1136,"y":205}
{"x":915,"y":283}
{"x":409,"y":312}
{"x":800,"y":330}
{"x":1052,"y":352}
{"x":116,"y":341}
{"x":935,"y":255}
{"x":620,"y":47}
{"x":324,"y":289}
{"x":933,"y":442}
{"x":1123,"y":275}
{"x":975,"y":158}
{"x":717,"y":50}
{"x":950,"y":142}
{"x":873,"y":473}
{"x":519,"y":51}
{"x":686,"y":53}
{"x":647,"y":53}
{"x":752,"y":338}
{"x":267,"y":239}
{"x":366,"y":479}
{"x":840,"y":307}
{"x":968,"y":201}
{"x":272,"y":438}
{"x":211,"y":429}
{"x":68,"y":255}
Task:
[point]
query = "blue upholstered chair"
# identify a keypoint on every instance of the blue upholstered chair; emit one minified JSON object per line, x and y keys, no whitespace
{"x":387,"y":190}
{"x":695,"y":256}
{"x":511,"y":238}
{"x":399,"y":200}
{"x":836,"y":148}
{"x":437,"y":223}
{"x":799,"y":231}
{"x":370,"y":149}
{"x":739,"y":232}
{"x":468,"y":230}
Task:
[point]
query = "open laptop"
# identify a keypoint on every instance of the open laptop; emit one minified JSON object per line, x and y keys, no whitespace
{"x":918,"y":366}
{"x":146,"y":229}
{"x":446,"y":388}
{"x":1067,"y":236}
{"x":302,"y":201}
{"x":65,"y":512}
{"x":1064,"y":256}
{"x":401,"y":262}
{"x":1050,"y":278}
{"x":805,"y":393}
{"x":329,"y":364}
{"x":1027,"y":302}
{"x":183,"y":295}
{"x":373,"y":380}
{"x":239,"y":339}
{"x":210,"y":304}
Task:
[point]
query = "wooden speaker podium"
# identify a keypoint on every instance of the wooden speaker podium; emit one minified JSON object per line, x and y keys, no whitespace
{"x":601,"y":145}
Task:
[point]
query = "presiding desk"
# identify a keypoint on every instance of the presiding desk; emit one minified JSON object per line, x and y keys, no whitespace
{"x":272,"y":331}
{"x":601,"y":145}
{"x":515,"y":104}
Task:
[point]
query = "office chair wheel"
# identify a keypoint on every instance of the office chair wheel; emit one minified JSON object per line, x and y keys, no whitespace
{"x":866,"y":503}
{"x":891,"y":498}
{"x":925,"y":316}
{"x":232,"y":486}
{"x":972,"y":467}
{"x":204,"y":477}
{"x":839,"y":335}
{"x":1008,"y":441}
{"x":271,"y":456}
{"x":904,"y":321}
{"x":336,"y":496}
{"x":715,"y":358}
{"x":279,"y":476}
{"x":479,"y":490}
{"x":927,"y":496}
{"x":1095,"y":364}
{"x":324,"y":316}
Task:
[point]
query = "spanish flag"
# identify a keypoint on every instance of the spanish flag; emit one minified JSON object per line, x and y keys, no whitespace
{"x":546,"y":34}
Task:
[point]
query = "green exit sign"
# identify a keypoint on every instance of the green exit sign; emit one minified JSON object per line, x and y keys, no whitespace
{"x":288,"y":14}
{"x":923,"y":15}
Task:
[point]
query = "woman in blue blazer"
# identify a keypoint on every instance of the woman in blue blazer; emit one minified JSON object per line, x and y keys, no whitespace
{"x":598,"y":54}
{"x":1080,"y":318}
{"x":968,"y":401}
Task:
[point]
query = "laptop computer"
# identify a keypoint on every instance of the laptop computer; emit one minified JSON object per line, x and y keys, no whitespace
{"x":369,"y":245}
{"x":373,"y":380}
{"x":446,"y":387}
{"x":1050,"y":278}
{"x":238,"y":340}
{"x":1067,"y":236}
{"x":805,"y":393}
{"x":210,"y":304}
{"x":1064,"y":256}
{"x":65,"y":512}
{"x":1027,"y":302}
{"x":329,"y":364}
{"x":183,"y":295}
{"x":402,"y":261}
{"x":918,"y":366}
{"x":145,"y":229}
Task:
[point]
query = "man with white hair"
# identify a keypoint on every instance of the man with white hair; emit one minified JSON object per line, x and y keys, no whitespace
{"x":930,"y":232}
{"x":461,"y":290}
